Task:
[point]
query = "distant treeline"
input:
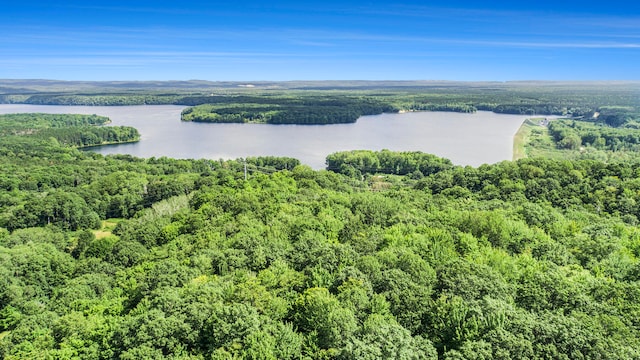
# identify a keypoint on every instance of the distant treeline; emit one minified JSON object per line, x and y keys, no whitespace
{"x":94,"y":100}
{"x":454,"y":107}
{"x":15,"y":124}
{"x":527,"y":109}
{"x":282,"y":106}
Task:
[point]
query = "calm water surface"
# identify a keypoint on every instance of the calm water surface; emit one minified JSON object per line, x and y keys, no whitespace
{"x":466,"y":139}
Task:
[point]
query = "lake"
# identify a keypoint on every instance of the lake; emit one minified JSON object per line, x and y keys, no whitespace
{"x":465,"y":139}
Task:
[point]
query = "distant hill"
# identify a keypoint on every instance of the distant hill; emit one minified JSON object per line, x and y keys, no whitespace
{"x":30,"y":86}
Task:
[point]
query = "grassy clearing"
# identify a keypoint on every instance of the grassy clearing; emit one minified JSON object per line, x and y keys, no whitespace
{"x":106,"y":229}
{"x":379,"y":183}
{"x":540,"y":144}
{"x":533,"y":140}
{"x":521,"y":138}
{"x":101,"y":234}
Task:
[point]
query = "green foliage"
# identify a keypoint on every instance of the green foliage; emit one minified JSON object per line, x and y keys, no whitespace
{"x":359,"y":162}
{"x":91,"y":136}
{"x":20,"y":124}
{"x":102,"y":99}
{"x":383,"y":338}
{"x":531,"y":259}
{"x":593,"y":137}
{"x":285,"y":109}
{"x":67,"y":129}
{"x":572,"y":134}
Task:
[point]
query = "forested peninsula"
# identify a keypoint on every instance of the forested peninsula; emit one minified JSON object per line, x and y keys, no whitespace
{"x":383,"y":255}
{"x":72,"y":130}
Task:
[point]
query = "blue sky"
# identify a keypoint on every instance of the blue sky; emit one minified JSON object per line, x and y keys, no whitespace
{"x":327,"y":40}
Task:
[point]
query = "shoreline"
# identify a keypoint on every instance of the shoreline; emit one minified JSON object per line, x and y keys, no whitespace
{"x":107,"y":143}
{"x":520,"y":139}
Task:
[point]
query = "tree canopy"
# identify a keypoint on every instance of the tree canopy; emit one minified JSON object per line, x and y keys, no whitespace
{"x":120,"y":257}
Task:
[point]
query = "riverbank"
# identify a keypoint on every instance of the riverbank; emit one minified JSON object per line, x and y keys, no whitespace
{"x":521,"y":138}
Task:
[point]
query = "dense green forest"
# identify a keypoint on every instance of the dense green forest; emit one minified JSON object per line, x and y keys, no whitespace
{"x":359,"y":162}
{"x":71,"y":130}
{"x":383,"y":256}
{"x":309,"y":110}
{"x":318,"y":108}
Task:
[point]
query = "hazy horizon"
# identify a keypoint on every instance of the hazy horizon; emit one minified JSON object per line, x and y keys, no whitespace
{"x":341,"y":81}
